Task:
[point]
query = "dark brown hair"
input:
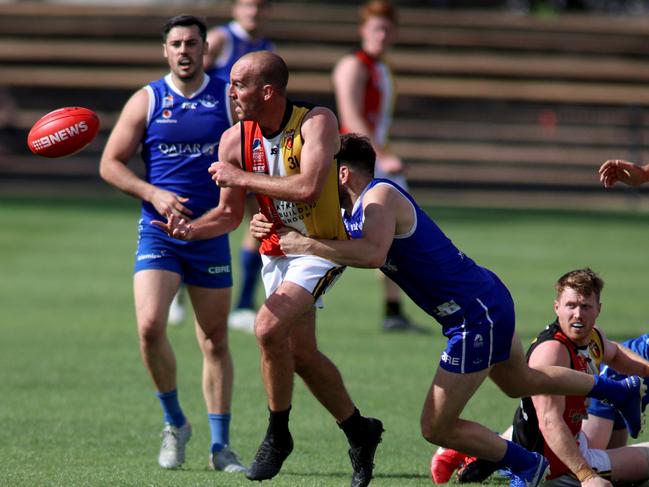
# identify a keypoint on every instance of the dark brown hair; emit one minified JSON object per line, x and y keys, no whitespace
{"x":357,"y":152}
{"x":184,"y":21}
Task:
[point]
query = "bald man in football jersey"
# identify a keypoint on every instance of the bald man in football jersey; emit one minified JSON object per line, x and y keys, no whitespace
{"x":284,"y":152}
{"x":177,"y":121}
{"x":226,"y":44}
{"x":365,"y":96}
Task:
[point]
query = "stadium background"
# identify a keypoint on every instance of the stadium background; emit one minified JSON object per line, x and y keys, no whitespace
{"x":495,"y":106}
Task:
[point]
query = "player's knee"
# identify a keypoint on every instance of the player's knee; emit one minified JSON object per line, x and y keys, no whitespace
{"x":270,"y":334}
{"x":150,"y":331}
{"x":432,"y":434}
{"x":215,"y":345}
{"x":433,"y":431}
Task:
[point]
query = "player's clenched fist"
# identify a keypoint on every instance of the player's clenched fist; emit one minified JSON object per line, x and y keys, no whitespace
{"x":225,"y":175}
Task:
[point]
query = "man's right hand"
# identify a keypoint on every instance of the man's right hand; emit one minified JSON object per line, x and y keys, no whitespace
{"x":617,"y":170}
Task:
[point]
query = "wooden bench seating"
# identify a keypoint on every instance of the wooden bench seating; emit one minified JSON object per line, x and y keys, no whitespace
{"x":484,"y":167}
{"x":22,"y":51}
{"x":320,"y":83}
{"x":487,"y":101}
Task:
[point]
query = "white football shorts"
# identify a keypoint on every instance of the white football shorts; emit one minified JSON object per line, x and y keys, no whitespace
{"x":313,"y":273}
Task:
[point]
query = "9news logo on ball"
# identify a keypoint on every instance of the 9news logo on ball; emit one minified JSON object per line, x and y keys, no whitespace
{"x":63,"y":132}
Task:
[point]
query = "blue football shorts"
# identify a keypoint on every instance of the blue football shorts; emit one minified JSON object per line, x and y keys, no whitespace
{"x":601,"y":409}
{"x":485,"y":335}
{"x":202,"y":263}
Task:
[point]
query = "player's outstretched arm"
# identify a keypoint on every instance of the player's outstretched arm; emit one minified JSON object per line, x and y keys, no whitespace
{"x":121,"y":146}
{"x":370,"y":250}
{"x":227,"y":215}
{"x":617,"y":170}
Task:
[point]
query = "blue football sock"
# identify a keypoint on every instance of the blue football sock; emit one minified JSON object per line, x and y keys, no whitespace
{"x":220,"y":430}
{"x":605,"y":388}
{"x":516,"y":458}
{"x":171,"y":408}
{"x":250,"y":262}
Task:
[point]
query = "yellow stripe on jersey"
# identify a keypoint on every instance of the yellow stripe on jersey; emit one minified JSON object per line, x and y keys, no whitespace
{"x":322,"y":219}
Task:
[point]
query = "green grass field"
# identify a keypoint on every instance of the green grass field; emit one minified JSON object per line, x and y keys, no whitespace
{"x":77,"y":408}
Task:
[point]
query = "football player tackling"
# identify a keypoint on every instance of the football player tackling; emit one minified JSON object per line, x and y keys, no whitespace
{"x":473,"y":306}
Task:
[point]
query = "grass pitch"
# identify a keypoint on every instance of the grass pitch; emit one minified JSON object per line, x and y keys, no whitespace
{"x":77,"y":408}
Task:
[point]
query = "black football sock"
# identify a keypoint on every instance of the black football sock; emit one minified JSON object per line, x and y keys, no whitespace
{"x":354,"y":429}
{"x":392,"y":308}
{"x":278,"y":433}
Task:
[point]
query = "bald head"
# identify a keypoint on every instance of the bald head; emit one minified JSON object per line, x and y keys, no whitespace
{"x":267,"y":67}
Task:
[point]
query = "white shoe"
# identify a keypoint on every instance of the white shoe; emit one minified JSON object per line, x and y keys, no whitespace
{"x":226,"y":460}
{"x":176,"y":311}
{"x":174,"y":440}
{"x":242,"y":320}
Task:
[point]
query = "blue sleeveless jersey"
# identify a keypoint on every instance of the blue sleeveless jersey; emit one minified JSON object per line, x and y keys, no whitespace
{"x":437,"y":276}
{"x":181,"y":142}
{"x":239,"y":43}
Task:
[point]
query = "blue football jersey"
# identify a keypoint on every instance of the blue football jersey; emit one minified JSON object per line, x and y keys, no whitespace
{"x":181,"y":141}
{"x":238,"y":43}
{"x":434,"y":273}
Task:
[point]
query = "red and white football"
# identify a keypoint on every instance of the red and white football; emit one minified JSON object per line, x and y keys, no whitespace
{"x":63,"y":132}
